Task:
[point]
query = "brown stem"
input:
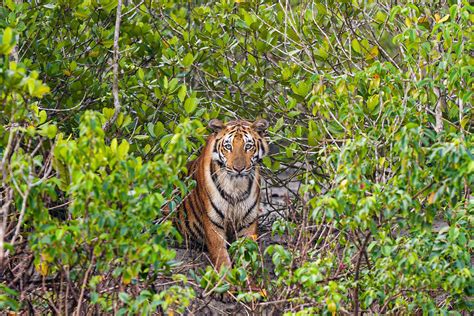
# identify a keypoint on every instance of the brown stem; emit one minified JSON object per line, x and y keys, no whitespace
{"x":356,"y":277}
{"x":84,"y":285}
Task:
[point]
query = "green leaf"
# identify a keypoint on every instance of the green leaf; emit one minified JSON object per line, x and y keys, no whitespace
{"x":182,"y":93}
{"x":173,"y":84}
{"x":267,"y":162}
{"x":147,"y":149}
{"x":10,"y":4}
{"x":373,"y":52}
{"x":313,"y":138}
{"x":222,"y":288}
{"x":51,"y":132}
{"x":188,"y":60}
{"x":40,"y":90}
{"x":48,"y":130}
{"x":73,"y":65}
{"x":355,"y":45}
{"x":190,"y":105}
{"x":278,"y":125}
{"x":322,"y":52}
{"x":108,"y":112}
{"x":124,"y":297}
{"x":386,"y":250}
{"x":127,"y":120}
{"x":159,"y":129}
{"x":372,"y":102}
{"x":122,"y":149}
{"x":141,"y":74}
{"x":151,"y":129}
{"x":109,"y":5}
{"x":7,"y":36}
{"x":293,"y":113}
{"x":113,"y":145}
{"x":42,"y":116}
{"x":286,"y":73}
{"x":380,"y":17}
{"x":302,"y":88}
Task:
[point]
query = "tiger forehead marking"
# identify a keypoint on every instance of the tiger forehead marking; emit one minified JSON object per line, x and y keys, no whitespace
{"x":224,"y":204}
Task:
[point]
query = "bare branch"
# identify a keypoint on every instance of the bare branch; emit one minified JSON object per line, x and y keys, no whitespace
{"x":440,"y":105}
{"x":22,"y":213}
{"x":3,"y":226}
{"x":115,"y":68}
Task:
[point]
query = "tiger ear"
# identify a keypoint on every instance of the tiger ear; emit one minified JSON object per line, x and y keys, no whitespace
{"x":216,"y":125}
{"x":260,"y":125}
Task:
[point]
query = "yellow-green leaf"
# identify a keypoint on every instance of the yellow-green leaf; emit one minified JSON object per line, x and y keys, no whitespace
{"x":140,"y":74}
{"x":380,"y":17}
{"x":10,"y":4}
{"x":190,"y":104}
{"x":159,"y":129}
{"x":40,"y":90}
{"x":42,"y":116}
{"x":108,"y":113}
{"x":313,"y":138}
{"x":7,"y":36}
{"x":122,"y":149}
{"x":182,"y":93}
{"x":374,"y":52}
{"x":147,"y":149}
{"x":355,"y":45}
{"x":113,"y":145}
{"x":372,"y":102}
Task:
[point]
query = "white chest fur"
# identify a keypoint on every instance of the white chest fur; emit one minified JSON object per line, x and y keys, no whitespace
{"x":234,"y":198}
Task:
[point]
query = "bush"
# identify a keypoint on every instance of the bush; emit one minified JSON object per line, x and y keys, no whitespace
{"x":371,"y":114}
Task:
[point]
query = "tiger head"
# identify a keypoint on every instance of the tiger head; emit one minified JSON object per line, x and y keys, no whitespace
{"x":239,"y":145}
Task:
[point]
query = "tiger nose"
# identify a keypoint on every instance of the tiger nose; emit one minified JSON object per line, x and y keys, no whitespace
{"x":239,"y":168}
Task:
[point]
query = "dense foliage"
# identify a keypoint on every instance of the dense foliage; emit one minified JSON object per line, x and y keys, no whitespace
{"x":371,"y":111}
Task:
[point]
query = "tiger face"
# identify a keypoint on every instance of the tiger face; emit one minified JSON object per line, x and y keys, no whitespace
{"x":239,"y":145}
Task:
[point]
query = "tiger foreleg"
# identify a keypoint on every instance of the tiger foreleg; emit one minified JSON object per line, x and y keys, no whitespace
{"x":217,"y":246}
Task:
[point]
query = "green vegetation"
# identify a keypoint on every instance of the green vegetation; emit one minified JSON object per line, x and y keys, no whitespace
{"x":370,"y":105}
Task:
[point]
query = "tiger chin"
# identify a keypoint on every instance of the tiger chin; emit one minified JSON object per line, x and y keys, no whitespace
{"x":224,"y":205}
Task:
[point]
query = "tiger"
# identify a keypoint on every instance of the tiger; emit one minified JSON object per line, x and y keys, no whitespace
{"x":224,"y":204}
